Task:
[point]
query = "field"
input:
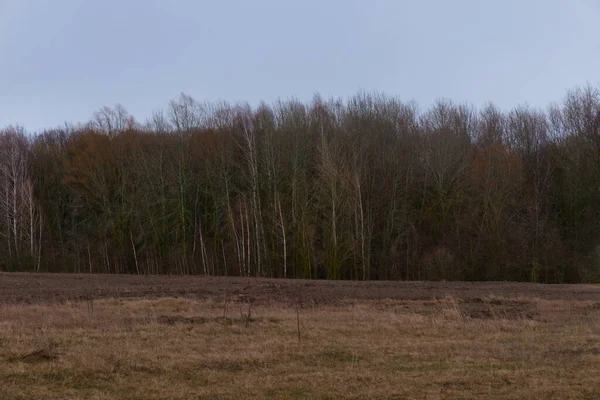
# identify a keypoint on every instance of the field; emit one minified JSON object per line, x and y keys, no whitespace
{"x":139,"y":337}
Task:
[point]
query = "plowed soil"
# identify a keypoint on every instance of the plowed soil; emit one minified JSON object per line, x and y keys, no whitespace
{"x":19,"y":288}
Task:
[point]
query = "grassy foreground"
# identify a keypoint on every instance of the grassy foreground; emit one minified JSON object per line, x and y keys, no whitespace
{"x":492,"y":348}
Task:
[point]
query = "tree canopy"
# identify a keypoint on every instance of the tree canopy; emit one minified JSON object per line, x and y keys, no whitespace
{"x":368,"y":188}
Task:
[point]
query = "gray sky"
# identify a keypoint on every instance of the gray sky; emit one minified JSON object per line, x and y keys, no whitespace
{"x":60,"y":60}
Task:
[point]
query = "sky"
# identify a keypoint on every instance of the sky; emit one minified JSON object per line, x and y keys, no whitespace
{"x":61,"y":60}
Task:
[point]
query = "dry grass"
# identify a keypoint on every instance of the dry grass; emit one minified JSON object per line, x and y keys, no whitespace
{"x":170,"y":348}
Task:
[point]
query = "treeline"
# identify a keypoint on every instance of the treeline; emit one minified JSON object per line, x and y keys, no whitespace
{"x":369,"y":188}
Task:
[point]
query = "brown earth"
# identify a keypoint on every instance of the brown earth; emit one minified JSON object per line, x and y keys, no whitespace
{"x":19,"y":288}
{"x":141,"y":338}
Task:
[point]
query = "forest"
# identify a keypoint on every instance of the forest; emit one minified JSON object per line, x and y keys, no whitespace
{"x":367,"y":188}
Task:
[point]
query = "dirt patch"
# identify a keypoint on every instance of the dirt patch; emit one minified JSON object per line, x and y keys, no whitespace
{"x":497,"y":309}
{"x":197,"y":320}
{"x":35,"y":357}
{"x":594,"y":351}
{"x":231,"y":365}
{"x":593,"y":306}
{"x":177,"y":319}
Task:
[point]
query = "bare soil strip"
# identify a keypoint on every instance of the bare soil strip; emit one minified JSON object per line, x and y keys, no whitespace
{"x":30,"y":288}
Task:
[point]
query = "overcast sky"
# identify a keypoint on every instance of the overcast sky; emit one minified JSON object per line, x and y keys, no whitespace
{"x":60,"y":60}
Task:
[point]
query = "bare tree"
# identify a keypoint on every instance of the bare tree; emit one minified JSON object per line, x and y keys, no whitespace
{"x":13,"y":177}
{"x":186,"y":114}
{"x":32,"y":222}
{"x":249,"y":145}
{"x":112,"y":120}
